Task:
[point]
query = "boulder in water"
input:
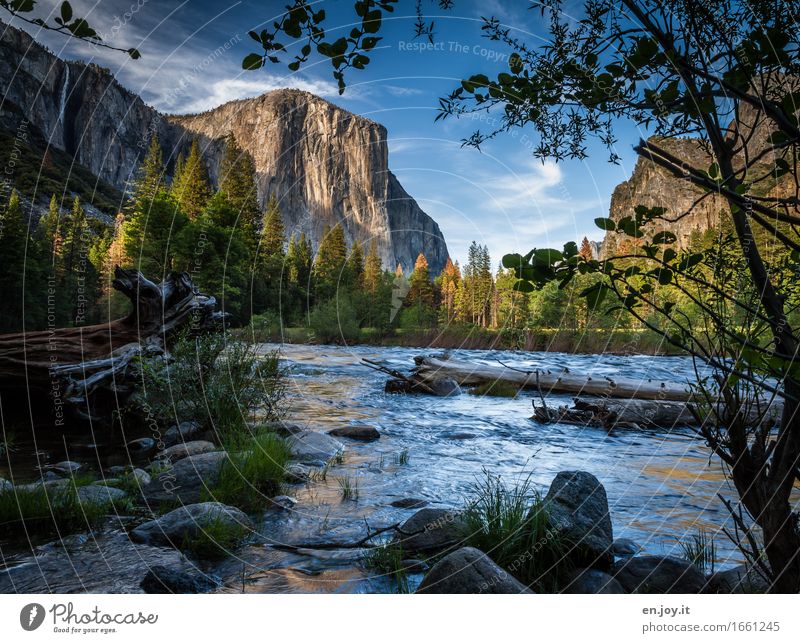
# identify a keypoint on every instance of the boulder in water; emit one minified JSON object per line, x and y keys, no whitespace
{"x":469,"y":571}
{"x":658,"y":575}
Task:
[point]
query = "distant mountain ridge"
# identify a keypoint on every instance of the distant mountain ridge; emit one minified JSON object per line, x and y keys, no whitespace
{"x":324,"y":164}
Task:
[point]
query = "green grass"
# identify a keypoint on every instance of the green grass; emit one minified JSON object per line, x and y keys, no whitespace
{"x":43,"y":512}
{"x":214,"y":540}
{"x":387,"y":559}
{"x":254,"y":472}
{"x":348,"y":487}
{"x":510,"y":525}
{"x":496,"y":389}
{"x":700,"y":550}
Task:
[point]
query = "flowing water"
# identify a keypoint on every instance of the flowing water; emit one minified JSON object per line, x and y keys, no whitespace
{"x":662,"y":485}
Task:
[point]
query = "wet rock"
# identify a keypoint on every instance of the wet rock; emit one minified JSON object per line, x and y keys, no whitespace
{"x":141,"y":446}
{"x":363,"y":432}
{"x":625,"y":548}
{"x":591,"y":581}
{"x":444,"y":387}
{"x":73,"y":541}
{"x":414,"y":566}
{"x":658,"y":575}
{"x":578,"y":512}
{"x":183,"y":432}
{"x":296,"y":473}
{"x":187,"y":522}
{"x":409,"y":503}
{"x":57,"y":485}
{"x":283,"y":502}
{"x":5,"y":484}
{"x":65,"y":468}
{"x":186,"y":480}
{"x":469,"y":571}
{"x":50,"y":476}
{"x":431,"y":530}
{"x":141,"y":477}
{"x":165,"y":580}
{"x":99,"y":495}
{"x":117,"y":470}
{"x":310,"y":447}
{"x":742,"y":579}
{"x":185,"y":449}
{"x":458,"y":435}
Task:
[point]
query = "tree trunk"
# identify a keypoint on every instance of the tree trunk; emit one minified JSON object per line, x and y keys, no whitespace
{"x":86,"y":371}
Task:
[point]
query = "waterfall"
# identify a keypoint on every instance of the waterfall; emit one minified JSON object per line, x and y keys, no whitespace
{"x":63,"y":101}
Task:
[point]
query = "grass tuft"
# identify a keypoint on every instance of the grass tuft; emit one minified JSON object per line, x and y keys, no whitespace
{"x":214,"y":540}
{"x":348,"y":487}
{"x":700,"y":550}
{"x":387,"y":559}
{"x":254,"y":471}
{"x":402,"y":458}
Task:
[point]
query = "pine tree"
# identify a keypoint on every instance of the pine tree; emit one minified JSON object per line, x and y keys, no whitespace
{"x":329,"y":263}
{"x":47,"y":238}
{"x":13,"y":242}
{"x":238,"y":182}
{"x":147,"y":234}
{"x":273,"y":234}
{"x":450,"y":281}
{"x":298,"y":263}
{"x":151,"y":172}
{"x":373,"y":269}
{"x":420,"y":301}
{"x":190,"y":186}
{"x":355,"y":266}
{"x":586,"y":249}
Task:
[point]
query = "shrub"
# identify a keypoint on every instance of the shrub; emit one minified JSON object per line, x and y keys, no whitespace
{"x":254,"y":471}
{"x":511,"y":526}
{"x":215,"y":381}
{"x":334,"y":322}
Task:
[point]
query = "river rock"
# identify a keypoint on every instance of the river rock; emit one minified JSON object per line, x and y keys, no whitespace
{"x":591,"y":581}
{"x":658,"y":575}
{"x":742,"y":579}
{"x":100,"y":495}
{"x":141,"y":446}
{"x":166,"y":580}
{"x":313,"y":447}
{"x":283,"y":502}
{"x":65,"y":468}
{"x":185,"y":449}
{"x":409,"y":503}
{"x":296,"y":473}
{"x":186,"y":522}
{"x":469,"y":571}
{"x":183,"y":432}
{"x":625,"y":548}
{"x":141,"y":477}
{"x":186,"y":480}
{"x":5,"y":485}
{"x":444,"y":386}
{"x":578,"y":511}
{"x":363,"y":432}
{"x":431,"y":530}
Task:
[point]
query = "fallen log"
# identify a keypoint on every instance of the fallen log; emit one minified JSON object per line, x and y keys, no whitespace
{"x":562,"y":381}
{"x":85,"y":371}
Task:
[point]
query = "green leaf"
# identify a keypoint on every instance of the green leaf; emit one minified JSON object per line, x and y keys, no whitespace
{"x":66,"y":11}
{"x":523,"y":286}
{"x":669,"y":255}
{"x":372,"y":22}
{"x":604,"y":223}
{"x":253,"y":61}
{"x":22,"y":6}
{"x":515,"y":63}
{"x":134,"y":54}
{"x":665,"y":276}
{"x":664,"y":237}
{"x":513,"y":261}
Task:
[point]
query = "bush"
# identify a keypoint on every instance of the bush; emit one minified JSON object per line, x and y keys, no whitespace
{"x":217,"y":382}
{"x":335,"y":322}
{"x":254,"y":471}
{"x":511,"y":526}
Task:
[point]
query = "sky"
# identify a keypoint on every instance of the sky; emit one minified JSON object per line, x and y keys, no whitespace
{"x":501,"y":196}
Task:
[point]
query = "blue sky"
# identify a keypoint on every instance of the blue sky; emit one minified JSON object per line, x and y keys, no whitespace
{"x":501,"y":196}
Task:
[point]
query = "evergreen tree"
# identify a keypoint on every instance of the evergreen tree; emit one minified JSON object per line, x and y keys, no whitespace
{"x":329,"y":263}
{"x":373,"y":269}
{"x":298,"y":264}
{"x":273,"y":234}
{"x":355,"y":266}
{"x":47,"y":237}
{"x":450,"y":281}
{"x":13,"y":242}
{"x":270,"y":291}
{"x":190,"y":186}
{"x":420,"y":301}
{"x":147,"y":233}
{"x":586,"y":249}
{"x":238,"y":182}
{"x":151,"y":172}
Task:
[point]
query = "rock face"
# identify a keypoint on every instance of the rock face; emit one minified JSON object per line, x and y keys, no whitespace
{"x":469,"y":571}
{"x":578,"y":510}
{"x":324,"y":164}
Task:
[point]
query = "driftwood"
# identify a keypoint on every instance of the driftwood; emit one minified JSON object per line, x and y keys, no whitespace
{"x":85,"y":371}
{"x":609,"y":413}
{"x":430,"y":369}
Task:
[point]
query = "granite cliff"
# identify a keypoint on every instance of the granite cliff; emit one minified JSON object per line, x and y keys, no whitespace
{"x":324,"y":164}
